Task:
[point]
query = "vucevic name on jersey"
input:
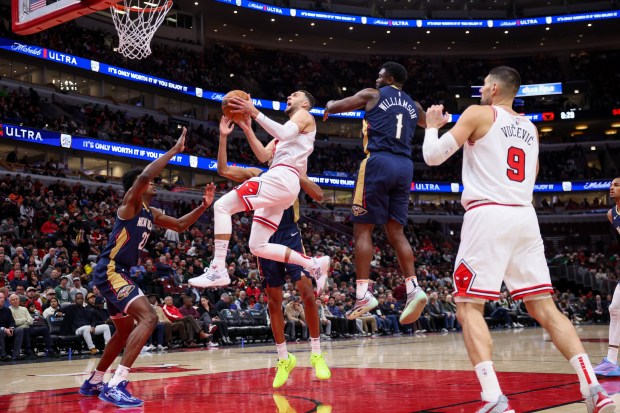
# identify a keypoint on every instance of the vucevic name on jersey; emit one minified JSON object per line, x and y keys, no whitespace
{"x":390,"y":125}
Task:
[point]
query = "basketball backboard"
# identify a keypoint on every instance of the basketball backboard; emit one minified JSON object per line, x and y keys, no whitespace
{"x":31,"y":16}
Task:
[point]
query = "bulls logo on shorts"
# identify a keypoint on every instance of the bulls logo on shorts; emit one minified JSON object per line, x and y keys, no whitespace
{"x":124,"y":292}
{"x":358,"y":210}
{"x":463,"y":277}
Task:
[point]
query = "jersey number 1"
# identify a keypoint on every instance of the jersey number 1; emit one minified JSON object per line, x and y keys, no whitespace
{"x":399,"y":125}
{"x":516,"y":164}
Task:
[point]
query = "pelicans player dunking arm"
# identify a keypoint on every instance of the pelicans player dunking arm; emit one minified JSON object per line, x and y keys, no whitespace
{"x":272,"y":272}
{"x":126,"y":304}
{"x":500,"y":239}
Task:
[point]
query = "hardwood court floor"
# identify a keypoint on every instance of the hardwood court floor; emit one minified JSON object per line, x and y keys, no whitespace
{"x":403,"y":374}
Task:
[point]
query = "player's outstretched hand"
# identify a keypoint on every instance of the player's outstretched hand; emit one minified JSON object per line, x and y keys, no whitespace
{"x":207,"y":198}
{"x":245,"y":123}
{"x":326,"y":111}
{"x":179,"y":147}
{"x":435,"y":117}
{"x":245,"y":106}
{"x":226,"y":126}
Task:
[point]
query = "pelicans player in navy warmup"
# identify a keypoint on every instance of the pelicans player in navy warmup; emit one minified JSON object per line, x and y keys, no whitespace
{"x":609,"y":365}
{"x":384,"y":178}
{"x":126,"y":304}
{"x":273,"y":272}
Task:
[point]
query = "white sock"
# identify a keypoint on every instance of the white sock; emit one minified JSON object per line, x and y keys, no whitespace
{"x":120,"y":375}
{"x":221,"y":250}
{"x":411,"y":283}
{"x":362,"y":287}
{"x":315,"y":345}
{"x":97,"y":377}
{"x":612,"y":354}
{"x":587,"y":378}
{"x":282,"y":351}
{"x":488,"y":381}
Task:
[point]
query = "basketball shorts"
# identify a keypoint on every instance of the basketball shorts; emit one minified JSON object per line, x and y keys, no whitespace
{"x":116,"y":286}
{"x":269,"y":194}
{"x":272,"y":273}
{"x":500,"y":244}
{"x":382,"y":189}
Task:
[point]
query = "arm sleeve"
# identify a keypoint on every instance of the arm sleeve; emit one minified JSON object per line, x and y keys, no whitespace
{"x":281,"y":132}
{"x":437,"y":150}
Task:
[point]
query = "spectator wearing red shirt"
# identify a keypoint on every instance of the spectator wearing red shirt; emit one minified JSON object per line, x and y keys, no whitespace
{"x":191,"y":325}
{"x":49,"y":227}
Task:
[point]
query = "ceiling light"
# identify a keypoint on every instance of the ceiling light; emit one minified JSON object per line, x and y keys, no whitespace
{"x":611,"y":132}
{"x":589,"y":24}
{"x":466,"y":31}
{"x":592,"y":148}
{"x":547,"y":28}
{"x":388,"y":32}
{"x":615,"y":125}
{"x":273,"y":20}
{"x":428,"y":32}
{"x":546,"y":129}
{"x":235,"y":11}
{"x":505,"y":31}
{"x":344,"y":88}
{"x":195,"y":3}
{"x":457,"y":96}
{"x":576,"y":91}
{"x":312,"y":24}
{"x":350,"y":27}
{"x":576,"y":133}
{"x":581,"y":127}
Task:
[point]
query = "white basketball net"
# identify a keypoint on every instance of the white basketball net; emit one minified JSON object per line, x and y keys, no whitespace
{"x":136,"y":22}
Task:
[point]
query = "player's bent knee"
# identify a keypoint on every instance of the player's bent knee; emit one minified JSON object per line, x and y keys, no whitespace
{"x":221,"y":207}
{"x":257,"y":247}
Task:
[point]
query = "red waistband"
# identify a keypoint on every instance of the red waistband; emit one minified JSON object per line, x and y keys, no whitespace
{"x":485,"y":202}
{"x":286,"y":166}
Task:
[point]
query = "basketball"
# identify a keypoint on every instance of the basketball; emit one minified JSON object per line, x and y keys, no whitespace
{"x":236,"y":117}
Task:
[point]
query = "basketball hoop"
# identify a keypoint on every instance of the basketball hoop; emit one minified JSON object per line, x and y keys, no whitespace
{"x":136,"y":22}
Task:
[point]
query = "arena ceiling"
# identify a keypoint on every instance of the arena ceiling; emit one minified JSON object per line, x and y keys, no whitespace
{"x":230,"y":23}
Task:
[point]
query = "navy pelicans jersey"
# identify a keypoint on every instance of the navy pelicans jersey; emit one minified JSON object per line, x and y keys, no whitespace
{"x":128,"y":238}
{"x":290,"y":216}
{"x":390,"y":125}
{"x":615,"y":219}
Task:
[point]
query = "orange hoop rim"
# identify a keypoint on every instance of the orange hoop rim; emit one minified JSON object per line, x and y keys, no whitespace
{"x":123,"y":8}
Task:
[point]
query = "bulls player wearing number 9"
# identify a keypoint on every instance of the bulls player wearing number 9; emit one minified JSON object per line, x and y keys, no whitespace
{"x":126,"y":304}
{"x":500,"y":238}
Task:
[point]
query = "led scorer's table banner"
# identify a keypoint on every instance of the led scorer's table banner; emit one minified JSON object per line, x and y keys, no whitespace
{"x":63,"y":140}
{"x":118,"y":72}
{"x":373,"y":21}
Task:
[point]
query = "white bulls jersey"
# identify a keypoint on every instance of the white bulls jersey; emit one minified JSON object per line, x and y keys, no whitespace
{"x":501,"y":166}
{"x":294,"y":152}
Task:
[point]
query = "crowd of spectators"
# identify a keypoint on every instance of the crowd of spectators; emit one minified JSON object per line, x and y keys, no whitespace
{"x":51,"y":235}
{"x":271,"y":73}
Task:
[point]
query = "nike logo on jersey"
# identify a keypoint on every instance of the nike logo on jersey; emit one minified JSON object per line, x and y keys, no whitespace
{"x":294,"y":233}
